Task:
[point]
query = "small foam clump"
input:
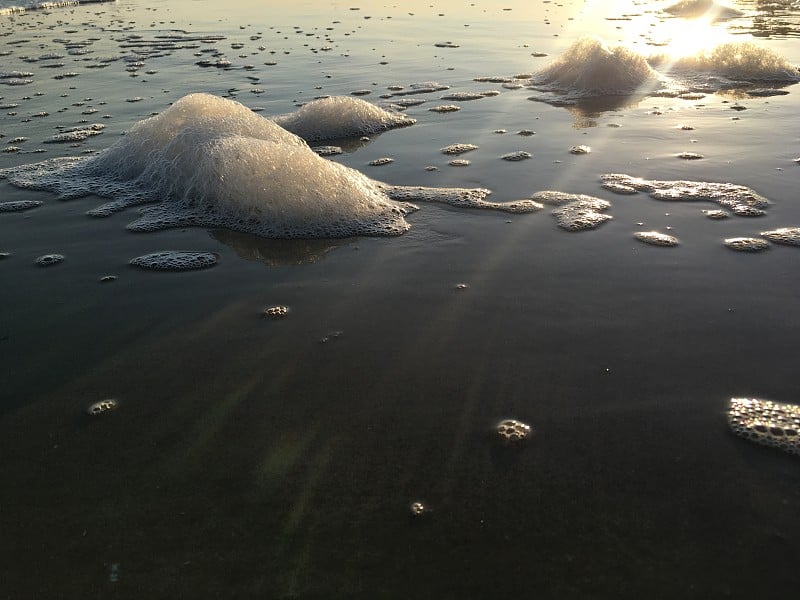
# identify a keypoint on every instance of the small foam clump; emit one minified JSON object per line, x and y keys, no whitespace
{"x":340,"y":117}
{"x":458,"y":148}
{"x":575,"y":212}
{"x":789,"y":236}
{"x":103,"y":406}
{"x":740,"y":199}
{"x":590,"y":68}
{"x":746,"y":244}
{"x":173,"y":260}
{"x":517,"y":155}
{"x":655,"y":238}
{"x":19,"y":205}
{"x":276,"y":312}
{"x":511,"y":431}
{"x":765,"y":422}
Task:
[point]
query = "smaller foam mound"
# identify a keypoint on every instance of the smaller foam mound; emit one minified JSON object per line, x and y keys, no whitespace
{"x":789,"y":236}
{"x":654,"y":238}
{"x":765,"y":422}
{"x":19,"y":205}
{"x":739,"y":61}
{"x":174,"y":260}
{"x":590,"y":68}
{"x":340,"y":117}
{"x":458,"y":148}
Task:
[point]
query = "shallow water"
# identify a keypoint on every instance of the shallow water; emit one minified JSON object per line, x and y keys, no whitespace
{"x":278,"y":458}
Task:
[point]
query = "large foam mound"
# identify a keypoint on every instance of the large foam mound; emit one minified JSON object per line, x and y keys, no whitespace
{"x":340,"y":117}
{"x":211,"y":162}
{"x":739,"y":61}
{"x":590,"y":68}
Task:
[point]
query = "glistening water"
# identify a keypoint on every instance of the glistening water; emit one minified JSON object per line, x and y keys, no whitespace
{"x":170,"y":434}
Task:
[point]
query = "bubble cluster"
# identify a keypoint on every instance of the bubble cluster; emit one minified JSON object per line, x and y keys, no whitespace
{"x":48,"y":260}
{"x":654,"y":238}
{"x":766,"y":422}
{"x":789,"y":236}
{"x":175,"y":260}
{"x":276,"y":312}
{"x":461,"y":198}
{"x":511,"y":431}
{"x":103,"y":406}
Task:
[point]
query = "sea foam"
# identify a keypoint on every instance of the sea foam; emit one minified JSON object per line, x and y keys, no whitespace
{"x":211,"y":162}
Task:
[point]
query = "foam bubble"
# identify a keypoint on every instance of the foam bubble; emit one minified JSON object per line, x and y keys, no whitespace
{"x":516,"y":155}
{"x":576,"y":212}
{"x":276,"y":312}
{"x":765,"y":422}
{"x":789,"y":236}
{"x":590,"y":68}
{"x":173,"y":260}
{"x":340,"y":117}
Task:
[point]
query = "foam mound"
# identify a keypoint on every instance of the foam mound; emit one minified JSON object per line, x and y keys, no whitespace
{"x":590,"y":68}
{"x":340,"y":117}
{"x":765,"y":422}
{"x":19,"y":205}
{"x":211,"y":162}
{"x":746,"y":244}
{"x":738,"y":61}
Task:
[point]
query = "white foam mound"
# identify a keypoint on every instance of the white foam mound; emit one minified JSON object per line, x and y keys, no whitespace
{"x":340,"y":117}
{"x":702,"y":8}
{"x":739,"y":61}
{"x":590,"y":68}
{"x":211,"y":162}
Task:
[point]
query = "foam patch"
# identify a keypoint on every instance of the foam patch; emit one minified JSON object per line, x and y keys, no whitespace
{"x":765,"y":422}
{"x":740,"y":199}
{"x":172,"y":260}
